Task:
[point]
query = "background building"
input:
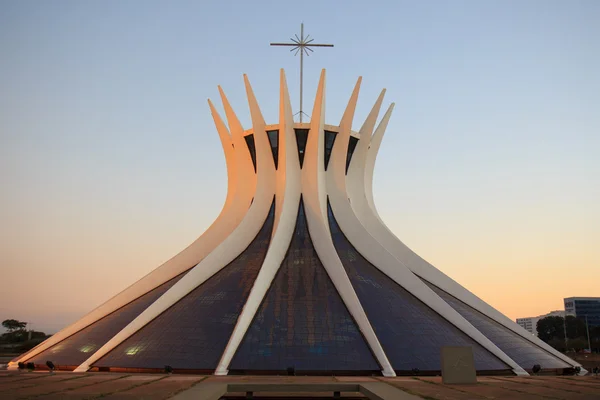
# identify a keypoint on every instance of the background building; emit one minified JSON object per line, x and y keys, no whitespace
{"x":530,"y":323}
{"x":583,"y":307}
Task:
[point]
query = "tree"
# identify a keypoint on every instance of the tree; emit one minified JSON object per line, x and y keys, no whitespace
{"x":575,"y":327}
{"x":18,"y":334}
{"x":553,"y":328}
{"x":595,"y":337}
{"x":578,"y":344}
{"x":558,"y":344}
{"x":550,"y":328}
{"x":13,"y":325}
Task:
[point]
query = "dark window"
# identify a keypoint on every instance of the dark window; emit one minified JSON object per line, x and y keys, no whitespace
{"x":351,"y":146}
{"x":193,"y":333}
{"x":301,"y":139}
{"x":329,"y":140}
{"x":411,"y":333}
{"x":80,"y":346}
{"x":521,"y":350}
{"x":589,"y":309}
{"x":251,"y":149}
{"x":302,"y":322}
{"x":274,"y":141}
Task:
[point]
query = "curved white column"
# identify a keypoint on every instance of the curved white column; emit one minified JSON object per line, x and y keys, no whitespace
{"x":371,"y":249}
{"x":360,"y":192}
{"x":233,"y":245}
{"x":360,"y":172}
{"x":240,"y":190}
{"x":315,"y":207}
{"x":246,"y":176}
{"x":287,"y":202}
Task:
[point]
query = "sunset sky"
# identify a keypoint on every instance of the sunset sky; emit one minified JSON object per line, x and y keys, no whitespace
{"x":110,"y":163}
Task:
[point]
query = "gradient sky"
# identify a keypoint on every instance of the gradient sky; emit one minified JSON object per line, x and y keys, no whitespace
{"x":110,"y":164}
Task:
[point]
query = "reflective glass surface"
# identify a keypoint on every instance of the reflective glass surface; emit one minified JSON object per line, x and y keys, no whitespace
{"x":251,"y":148}
{"x":351,"y":147}
{"x":411,"y":333}
{"x":521,"y":350}
{"x":587,"y":309}
{"x":301,"y":139}
{"x":302,"y":321}
{"x":274,"y":142}
{"x":329,"y":140}
{"x":193,"y":333}
{"x":79,"y":347}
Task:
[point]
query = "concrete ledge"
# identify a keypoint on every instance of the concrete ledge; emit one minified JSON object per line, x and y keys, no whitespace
{"x":384,"y":391}
{"x":372,"y":390}
{"x":293,"y":387}
{"x":203,"y":391}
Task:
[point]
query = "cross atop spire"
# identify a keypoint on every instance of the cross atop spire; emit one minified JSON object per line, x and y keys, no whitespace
{"x":303,"y":46}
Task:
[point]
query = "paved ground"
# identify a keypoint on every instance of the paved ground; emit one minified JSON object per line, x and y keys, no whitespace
{"x":113,"y":386}
{"x":4,"y":359}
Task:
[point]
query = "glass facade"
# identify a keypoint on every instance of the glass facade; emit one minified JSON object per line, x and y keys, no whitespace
{"x":274,"y":142}
{"x":193,"y":333}
{"x":301,"y":139}
{"x":351,"y":146}
{"x":251,"y":148}
{"x":584,"y":308}
{"x":329,"y":140}
{"x":78,"y":347}
{"x":521,"y":350}
{"x":302,"y":322}
{"x":411,"y":333}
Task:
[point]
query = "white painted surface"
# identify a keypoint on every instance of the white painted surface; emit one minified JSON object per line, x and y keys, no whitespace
{"x":315,"y":207}
{"x":370,"y":248}
{"x":287,"y":200}
{"x":361,"y":198}
{"x":233,"y":245}
{"x":240,"y":190}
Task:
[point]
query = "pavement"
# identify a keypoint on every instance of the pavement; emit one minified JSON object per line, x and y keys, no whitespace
{"x":119,"y":386}
{"x":4,"y":359}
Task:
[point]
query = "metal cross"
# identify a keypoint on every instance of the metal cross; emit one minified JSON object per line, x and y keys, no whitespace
{"x":302,"y":45}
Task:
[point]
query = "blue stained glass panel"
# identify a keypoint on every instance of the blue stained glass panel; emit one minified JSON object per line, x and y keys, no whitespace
{"x":521,"y":350}
{"x":411,"y":333}
{"x":329,"y":140}
{"x":351,"y":147}
{"x":301,"y":139}
{"x":302,"y":321}
{"x":78,"y":347}
{"x":193,"y":333}
{"x":274,"y":142}
{"x":251,"y":148}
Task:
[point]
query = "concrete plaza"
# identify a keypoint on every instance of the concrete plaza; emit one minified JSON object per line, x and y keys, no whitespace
{"x":117,"y":386}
